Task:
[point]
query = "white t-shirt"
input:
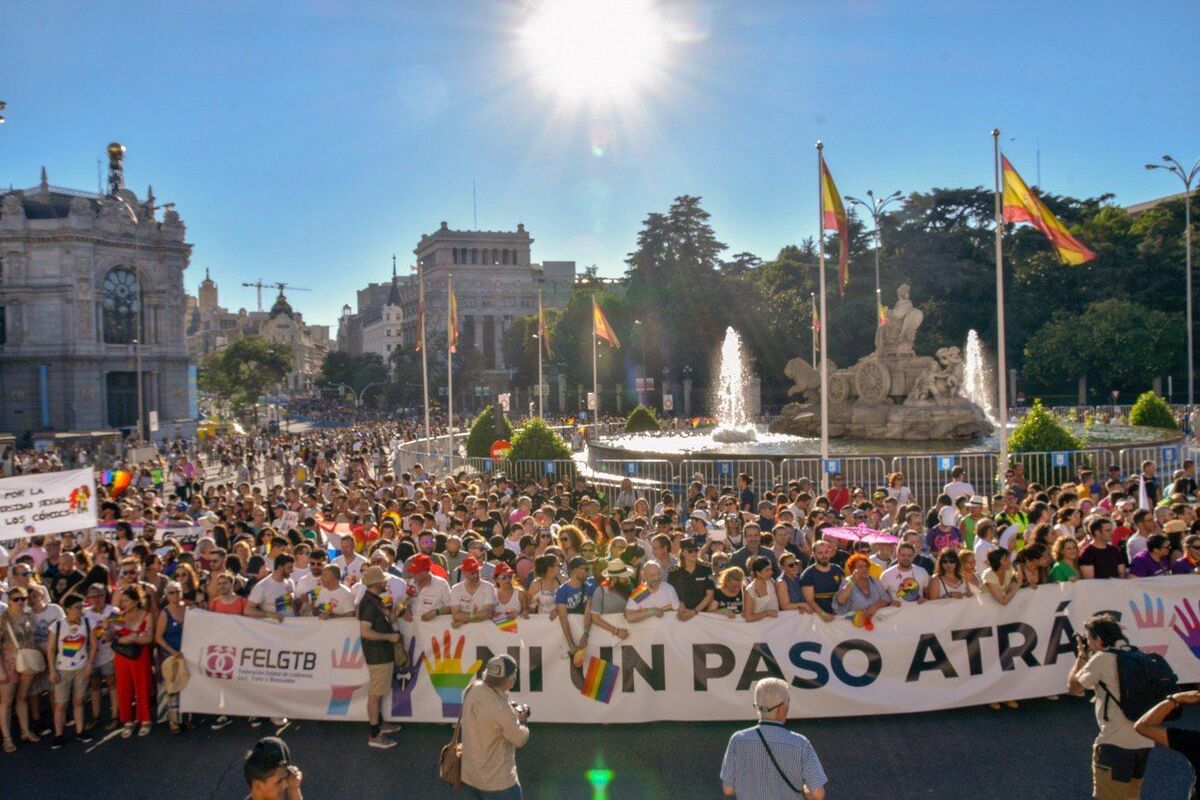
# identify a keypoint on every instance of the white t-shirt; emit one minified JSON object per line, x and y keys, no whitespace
{"x":1135,"y":544}
{"x":333,"y":601}
{"x":906,"y":585}
{"x":272,"y":596}
{"x":435,"y":596}
{"x":98,"y":620}
{"x":957,"y":489}
{"x":395,"y":591}
{"x":352,"y":567}
{"x":72,"y":644}
{"x":463,"y":601}
{"x":661,"y":597}
{"x":307,"y":585}
{"x":982,"y":548}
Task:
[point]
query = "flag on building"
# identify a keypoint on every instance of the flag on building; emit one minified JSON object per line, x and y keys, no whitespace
{"x":833,"y":218}
{"x":1021,"y":205}
{"x":453,"y":320}
{"x":600,"y":326}
{"x":543,"y":332}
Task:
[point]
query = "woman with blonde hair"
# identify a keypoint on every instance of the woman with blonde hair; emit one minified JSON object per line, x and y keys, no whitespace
{"x":728,"y":599}
{"x":16,"y":634}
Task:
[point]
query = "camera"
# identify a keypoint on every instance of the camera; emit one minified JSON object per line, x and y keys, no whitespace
{"x":1081,"y":643}
{"x":521,"y":709}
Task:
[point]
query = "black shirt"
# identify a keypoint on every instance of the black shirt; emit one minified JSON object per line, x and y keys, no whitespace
{"x":724,"y":601}
{"x":1187,"y":743}
{"x":691,"y":586}
{"x":371,"y":610}
{"x":65,"y":582}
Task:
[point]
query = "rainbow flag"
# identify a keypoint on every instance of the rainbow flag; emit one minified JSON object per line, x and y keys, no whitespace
{"x":600,"y":679}
{"x":120,"y":482}
{"x":640,"y":593}
{"x":507,"y":623}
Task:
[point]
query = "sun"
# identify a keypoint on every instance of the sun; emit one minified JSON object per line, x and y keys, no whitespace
{"x":595,"y":50}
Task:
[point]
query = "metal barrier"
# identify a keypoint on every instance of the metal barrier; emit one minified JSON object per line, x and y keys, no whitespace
{"x":867,"y":472}
{"x":724,"y":472}
{"x":1167,"y":458}
{"x":546,"y":472}
{"x":1063,"y":466}
{"x":927,"y":475}
{"x":655,"y":470}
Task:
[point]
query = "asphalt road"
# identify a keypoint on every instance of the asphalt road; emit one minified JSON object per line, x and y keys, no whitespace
{"x":1039,"y":750}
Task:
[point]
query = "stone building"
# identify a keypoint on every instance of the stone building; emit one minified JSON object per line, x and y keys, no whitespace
{"x":494,"y":280}
{"x":91,"y":286}
{"x":381,"y":328}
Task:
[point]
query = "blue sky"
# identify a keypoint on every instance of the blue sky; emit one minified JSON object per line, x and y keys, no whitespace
{"x":308,"y":141}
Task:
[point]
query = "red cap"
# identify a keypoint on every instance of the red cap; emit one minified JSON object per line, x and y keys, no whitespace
{"x":471,"y":564}
{"x":420,"y":563}
{"x":501,"y":569}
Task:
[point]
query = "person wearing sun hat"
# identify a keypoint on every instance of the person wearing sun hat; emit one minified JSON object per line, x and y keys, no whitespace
{"x":378,"y":637}
{"x":492,"y":730}
{"x":611,"y":596}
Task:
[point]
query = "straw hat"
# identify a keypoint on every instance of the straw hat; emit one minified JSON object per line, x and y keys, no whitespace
{"x":174,"y":674}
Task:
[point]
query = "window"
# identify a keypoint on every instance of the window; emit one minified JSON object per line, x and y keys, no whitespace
{"x":122,"y":298}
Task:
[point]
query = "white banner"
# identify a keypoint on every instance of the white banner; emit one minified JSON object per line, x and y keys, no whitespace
{"x":942,"y":654}
{"x":47,"y":502}
{"x":186,"y":535}
{"x":305,"y":668}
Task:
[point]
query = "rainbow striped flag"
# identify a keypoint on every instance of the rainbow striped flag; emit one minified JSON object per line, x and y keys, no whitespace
{"x":507,"y":623}
{"x":600,"y":679}
{"x":640,"y":593}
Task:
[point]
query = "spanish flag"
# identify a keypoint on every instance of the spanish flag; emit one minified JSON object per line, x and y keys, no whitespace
{"x":600,"y":326}
{"x":452,"y":319}
{"x":421,"y":322}
{"x":1021,"y":205}
{"x":833,"y":218}
{"x":543,"y":332}
{"x":816,"y":325}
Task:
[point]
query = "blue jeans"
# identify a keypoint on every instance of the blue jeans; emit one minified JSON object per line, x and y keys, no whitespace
{"x":511,"y":793}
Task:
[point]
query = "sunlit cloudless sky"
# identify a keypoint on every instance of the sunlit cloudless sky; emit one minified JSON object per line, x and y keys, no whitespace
{"x":309,"y":141}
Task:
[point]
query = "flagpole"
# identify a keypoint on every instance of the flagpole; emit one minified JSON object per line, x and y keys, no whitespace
{"x":1001,"y":361}
{"x":595,"y":385}
{"x":824,"y":318}
{"x":424,"y":348}
{"x":813,"y":329}
{"x":450,"y":361}
{"x":541,"y":346}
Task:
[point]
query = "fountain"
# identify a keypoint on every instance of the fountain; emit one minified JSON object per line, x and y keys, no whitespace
{"x":977,"y":377}
{"x":733,"y":425}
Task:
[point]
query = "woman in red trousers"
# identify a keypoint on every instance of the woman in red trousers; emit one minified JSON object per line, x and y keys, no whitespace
{"x":132,"y":632}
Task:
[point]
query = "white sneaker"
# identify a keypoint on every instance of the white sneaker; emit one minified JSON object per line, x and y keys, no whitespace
{"x":220,"y":722}
{"x":279,"y":722}
{"x":389,"y":727}
{"x":381,"y":742}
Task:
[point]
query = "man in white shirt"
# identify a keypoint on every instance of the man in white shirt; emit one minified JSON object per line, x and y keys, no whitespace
{"x":274,"y":596}
{"x":904,"y":580}
{"x":310,"y":579}
{"x":1144,"y":527}
{"x":474,"y":599}
{"x":333,"y":599}
{"x":957,"y":487}
{"x":433,"y":593}
{"x":351,"y":563}
{"x":653,"y":597}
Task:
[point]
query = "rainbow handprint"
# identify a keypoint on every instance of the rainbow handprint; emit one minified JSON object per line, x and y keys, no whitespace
{"x":447,"y":675}
{"x":346,"y":674}
{"x":405,"y":680}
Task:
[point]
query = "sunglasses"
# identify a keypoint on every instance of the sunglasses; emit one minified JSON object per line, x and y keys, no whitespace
{"x":17,"y":599}
{"x":23,"y":574}
{"x":790,"y":564}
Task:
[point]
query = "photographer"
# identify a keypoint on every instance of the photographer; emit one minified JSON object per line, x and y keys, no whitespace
{"x":1119,"y":754}
{"x":1181,"y":740}
{"x":492,"y":730}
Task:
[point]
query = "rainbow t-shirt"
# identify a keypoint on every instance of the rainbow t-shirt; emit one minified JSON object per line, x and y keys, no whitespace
{"x":72,"y":646}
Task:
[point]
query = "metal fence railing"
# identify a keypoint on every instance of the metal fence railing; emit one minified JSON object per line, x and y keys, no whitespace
{"x":927,"y":474}
{"x":724,"y":472}
{"x":867,"y":472}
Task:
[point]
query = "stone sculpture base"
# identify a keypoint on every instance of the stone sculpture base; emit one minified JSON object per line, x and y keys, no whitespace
{"x":943,"y":419}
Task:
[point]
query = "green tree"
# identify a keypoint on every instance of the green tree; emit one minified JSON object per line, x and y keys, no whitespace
{"x":1151,"y":411}
{"x":536,"y":441}
{"x":354,"y":371}
{"x":642,"y":420}
{"x":406,"y":379}
{"x":483,"y":433}
{"x":245,"y":371}
{"x":1040,"y":432}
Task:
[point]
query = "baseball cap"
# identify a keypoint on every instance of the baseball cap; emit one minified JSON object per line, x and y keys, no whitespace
{"x":689,"y":544}
{"x":501,"y":569}
{"x":471,"y":564}
{"x":269,"y":752}
{"x":372,"y":575}
{"x":420,"y":563}
{"x":946,"y":516}
{"x":574,"y":563}
{"x":501,"y":666}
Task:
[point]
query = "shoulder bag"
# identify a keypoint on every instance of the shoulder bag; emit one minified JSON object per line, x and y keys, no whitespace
{"x":450,"y":759}
{"x":775,"y":763}
{"x":30,"y":661}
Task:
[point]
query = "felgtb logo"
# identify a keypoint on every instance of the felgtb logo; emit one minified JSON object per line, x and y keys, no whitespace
{"x":219,"y":660}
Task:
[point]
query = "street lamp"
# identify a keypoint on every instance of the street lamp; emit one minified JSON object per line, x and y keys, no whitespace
{"x":642,"y":335}
{"x":137,"y":344}
{"x":875,"y":208}
{"x":3,"y":106}
{"x":1187,"y":176}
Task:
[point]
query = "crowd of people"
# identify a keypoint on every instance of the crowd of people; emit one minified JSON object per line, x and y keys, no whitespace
{"x":91,"y":621}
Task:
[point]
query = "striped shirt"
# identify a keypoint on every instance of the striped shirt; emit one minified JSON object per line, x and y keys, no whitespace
{"x":747,"y":768}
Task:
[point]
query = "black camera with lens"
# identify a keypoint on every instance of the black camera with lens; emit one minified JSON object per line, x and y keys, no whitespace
{"x":521,"y":709}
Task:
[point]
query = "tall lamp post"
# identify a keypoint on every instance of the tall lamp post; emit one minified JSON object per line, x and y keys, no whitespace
{"x":1187,"y":176}
{"x":875,"y":208}
{"x":644,"y":393}
{"x":137,"y":343}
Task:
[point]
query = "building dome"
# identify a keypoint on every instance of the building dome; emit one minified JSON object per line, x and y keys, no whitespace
{"x":282,"y":306}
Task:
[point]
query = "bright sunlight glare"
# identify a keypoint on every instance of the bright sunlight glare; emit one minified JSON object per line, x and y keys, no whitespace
{"x":594,"y":49}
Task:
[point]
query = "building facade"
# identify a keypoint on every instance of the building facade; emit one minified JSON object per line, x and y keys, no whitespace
{"x":495,"y":282}
{"x":92,"y":306}
{"x":382,"y":328}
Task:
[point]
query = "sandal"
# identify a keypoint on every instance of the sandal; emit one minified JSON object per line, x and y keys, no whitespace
{"x":32,"y":738}
{"x":127,"y":730}
{"x":9,"y":747}
{"x":144,"y":730}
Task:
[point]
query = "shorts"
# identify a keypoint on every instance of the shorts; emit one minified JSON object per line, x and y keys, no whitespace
{"x":106,"y":670}
{"x":380,"y":682}
{"x":71,"y":683}
{"x":1117,"y":772}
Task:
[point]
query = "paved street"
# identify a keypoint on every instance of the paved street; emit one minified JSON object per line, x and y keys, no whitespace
{"x":1039,"y":750}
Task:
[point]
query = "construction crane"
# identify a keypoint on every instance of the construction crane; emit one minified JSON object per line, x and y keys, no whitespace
{"x":280,"y":285}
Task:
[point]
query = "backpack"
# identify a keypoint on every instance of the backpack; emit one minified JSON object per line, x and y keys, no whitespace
{"x":1144,"y":681}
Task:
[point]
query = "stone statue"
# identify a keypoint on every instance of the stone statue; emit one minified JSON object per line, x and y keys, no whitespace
{"x":806,"y":378}
{"x":12,"y":208}
{"x":939,"y":383}
{"x":897,"y":335}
